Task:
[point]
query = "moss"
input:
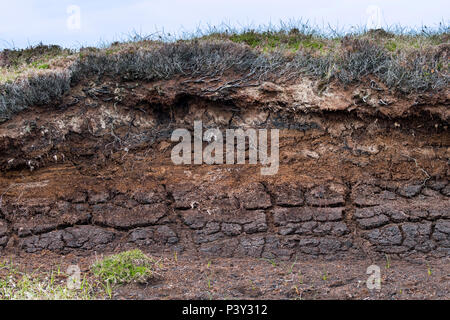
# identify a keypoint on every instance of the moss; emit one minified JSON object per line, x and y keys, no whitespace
{"x":391,"y":46}
{"x":250,"y":38}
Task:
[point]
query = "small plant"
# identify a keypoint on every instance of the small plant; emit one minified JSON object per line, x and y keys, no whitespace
{"x":272,"y":262}
{"x":388,"y":261}
{"x":429,"y":271}
{"x":391,"y":46}
{"x":325,"y":276}
{"x":296,"y":290}
{"x":252,"y":284}
{"x":208,"y":274}
{"x":43,"y":66}
{"x":125,"y":267}
{"x":300,"y":277}
{"x":108,"y":289}
{"x":292,"y":265}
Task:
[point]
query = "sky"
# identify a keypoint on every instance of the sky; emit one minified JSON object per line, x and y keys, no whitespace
{"x":75,"y":23}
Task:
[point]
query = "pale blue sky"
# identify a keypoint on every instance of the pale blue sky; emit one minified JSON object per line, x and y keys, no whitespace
{"x":25,"y":22}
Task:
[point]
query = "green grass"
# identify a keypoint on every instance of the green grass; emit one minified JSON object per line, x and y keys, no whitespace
{"x":104,"y":277}
{"x":17,"y":62}
{"x":124,"y":267}
{"x":267,"y":41}
{"x":314,"y":40}
{"x":32,"y":288}
{"x":19,"y":285}
{"x":32,"y":54}
{"x":271,"y":261}
{"x":388,"y":261}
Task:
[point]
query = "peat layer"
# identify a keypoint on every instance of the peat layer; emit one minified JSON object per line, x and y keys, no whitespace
{"x":362,"y":172}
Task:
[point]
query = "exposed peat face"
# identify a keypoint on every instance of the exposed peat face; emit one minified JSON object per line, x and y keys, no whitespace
{"x":361,"y":172}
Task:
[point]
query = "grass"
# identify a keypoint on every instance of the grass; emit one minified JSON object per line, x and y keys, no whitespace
{"x":404,"y":61}
{"x":14,"y":63}
{"x":105,"y":275}
{"x":32,"y":55}
{"x":291,"y":268}
{"x":124,"y":267}
{"x":18,"y":285}
{"x":30,"y":288}
{"x":388,"y":261}
{"x":271,"y":261}
{"x":300,"y":277}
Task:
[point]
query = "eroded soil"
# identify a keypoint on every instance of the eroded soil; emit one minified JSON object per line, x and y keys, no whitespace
{"x":356,"y":182}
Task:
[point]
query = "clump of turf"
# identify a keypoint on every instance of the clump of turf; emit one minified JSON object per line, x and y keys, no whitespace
{"x":31,"y":55}
{"x":124,"y":267}
{"x":404,"y":61}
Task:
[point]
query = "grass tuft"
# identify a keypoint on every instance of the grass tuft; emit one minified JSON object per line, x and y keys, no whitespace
{"x":124,"y":267}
